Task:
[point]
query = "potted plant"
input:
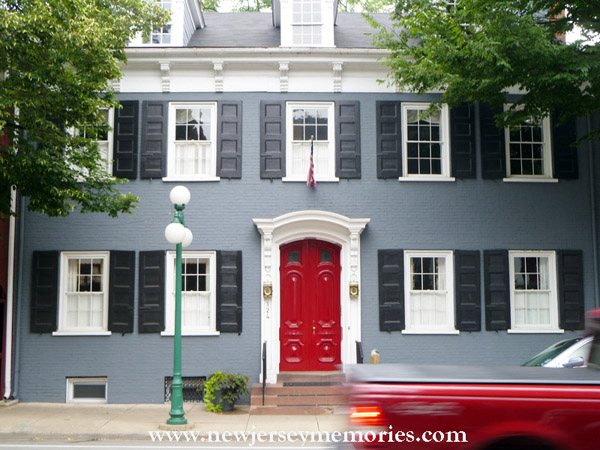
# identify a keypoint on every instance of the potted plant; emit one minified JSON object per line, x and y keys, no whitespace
{"x":223,"y":389}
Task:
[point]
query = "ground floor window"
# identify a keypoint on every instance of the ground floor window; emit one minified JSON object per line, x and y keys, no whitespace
{"x":429,"y":291}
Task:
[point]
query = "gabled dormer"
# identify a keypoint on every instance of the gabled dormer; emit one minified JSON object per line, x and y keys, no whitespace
{"x":305,"y":23}
{"x":186,"y":18}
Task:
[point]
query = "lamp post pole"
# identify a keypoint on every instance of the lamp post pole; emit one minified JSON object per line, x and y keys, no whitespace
{"x":178,"y":234}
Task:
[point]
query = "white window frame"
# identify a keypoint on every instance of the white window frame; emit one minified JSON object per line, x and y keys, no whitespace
{"x":63,"y":330}
{"x":302,"y":177}
{"x":211,"y":257}
{"x":444,"y":144}
{"x":449,"y":326}
{"x":552,"y":327}
{"x":108,"y":157}
{"x":71,"y":382}
{"x":301,"y":24}
{"x":171,"y":160}
{"x":547,"y":176}
{"x":162,"y":3}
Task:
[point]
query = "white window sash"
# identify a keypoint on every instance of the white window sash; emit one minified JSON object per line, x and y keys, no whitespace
{"x":444,"y":144}
{"x":188,"y":328}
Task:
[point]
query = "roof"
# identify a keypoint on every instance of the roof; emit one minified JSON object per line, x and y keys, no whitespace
{"x":255,"y":29}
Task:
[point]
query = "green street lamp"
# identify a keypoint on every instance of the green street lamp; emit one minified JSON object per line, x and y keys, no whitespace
{"x":177,"y":233}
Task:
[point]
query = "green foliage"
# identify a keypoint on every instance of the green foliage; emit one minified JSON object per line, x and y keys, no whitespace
{"x":478,"y":50}
{"x":366,"y":5}
{"x":57,"y":58}
{"x":232,"y":387}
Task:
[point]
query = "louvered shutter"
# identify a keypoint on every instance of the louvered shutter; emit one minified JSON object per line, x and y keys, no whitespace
{"x":125,"y":138}
{"x":151,"y":307}
{"x":229,"y":291}
{"x":563,"y":151}
{"x":44,"y":291}
{"x":229,"y":140}
{"x":347,"y":139}
{"x":462,"y":141}
{"x":272,"y":139}
{"x":155,"y":119}
{"x":467,"y":276}
{"x":389,"y":139}
{"x":570,"y":289}
{"x":497,"y":290}
{"x":121,"y":291}
{"x":391,"y":290}
{"x":493,"y":150}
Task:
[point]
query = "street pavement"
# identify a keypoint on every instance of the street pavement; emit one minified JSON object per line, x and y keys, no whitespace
{"x":69,"y":421}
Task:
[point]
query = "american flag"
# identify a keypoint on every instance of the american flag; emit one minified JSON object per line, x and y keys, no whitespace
{"x":310,"y":181}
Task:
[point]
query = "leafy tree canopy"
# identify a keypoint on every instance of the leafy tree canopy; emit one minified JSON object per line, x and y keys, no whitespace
{"x":476,"y":50}
{"x":57,"y":58}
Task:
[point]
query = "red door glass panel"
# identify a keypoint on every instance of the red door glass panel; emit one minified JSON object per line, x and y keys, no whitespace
{"x":310,"y":332}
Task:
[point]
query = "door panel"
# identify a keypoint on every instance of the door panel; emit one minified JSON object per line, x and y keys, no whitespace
{"x":310,"y":332}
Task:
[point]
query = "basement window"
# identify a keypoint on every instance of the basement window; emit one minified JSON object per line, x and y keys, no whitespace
{"x":87,"y":390}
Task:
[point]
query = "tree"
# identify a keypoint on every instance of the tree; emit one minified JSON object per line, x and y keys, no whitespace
{"x":57,"y":58}
{"x":476,"y":50}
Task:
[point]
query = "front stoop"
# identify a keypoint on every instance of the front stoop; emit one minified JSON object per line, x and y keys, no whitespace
{"x":300,"y":393}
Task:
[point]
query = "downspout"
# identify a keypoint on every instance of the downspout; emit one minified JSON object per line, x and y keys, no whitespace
{"x":10,"y":296}
{"x":19,"y":308}
{"x":594,"y":212}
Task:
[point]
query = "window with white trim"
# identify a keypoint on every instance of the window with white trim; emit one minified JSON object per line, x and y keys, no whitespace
{"x":161,"y":35}
{"x":429,"y":289}
{"x":192,"y":141}
{"x":425,"y":141}
{"x":533,"y":290}
{"x":87,"y":390}
{"x":198,"y":293}
{"x":103,"y":138}
{"x":528,"y":149}
{"x":83,"y":302}
{"x":307,"y":22}
{"x":306,"y":121}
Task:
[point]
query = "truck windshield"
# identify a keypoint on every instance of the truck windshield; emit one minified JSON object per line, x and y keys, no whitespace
{"x":551,"y":352}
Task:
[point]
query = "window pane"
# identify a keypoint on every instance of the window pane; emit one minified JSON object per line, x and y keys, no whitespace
{"x":294,"y":256}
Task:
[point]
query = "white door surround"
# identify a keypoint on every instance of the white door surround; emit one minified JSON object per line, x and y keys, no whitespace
{"x":295,"y":226}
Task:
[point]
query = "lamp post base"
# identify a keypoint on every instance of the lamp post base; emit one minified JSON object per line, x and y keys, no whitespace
{"x":177,"y":419}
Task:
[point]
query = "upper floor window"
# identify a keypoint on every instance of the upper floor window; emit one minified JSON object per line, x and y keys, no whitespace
{"x":161,"y":35}
{"x":198,"y":293}
{"x":83,"y":301}
{"x":306,"y":121}
{"x":528,"y":150}
{"x":307,"y":24}
{"x":103,"y":136}
{"x":429,"y":292}
{"x":425,"y":142}
{"x":533,"y":291}
{"x":192,"y":141}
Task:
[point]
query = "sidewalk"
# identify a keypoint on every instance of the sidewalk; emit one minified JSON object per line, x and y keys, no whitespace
{"x":130,"y":422}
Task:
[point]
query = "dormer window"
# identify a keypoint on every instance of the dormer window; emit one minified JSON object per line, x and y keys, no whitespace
{"x":307,"y":22}
{"x":161,"y":35}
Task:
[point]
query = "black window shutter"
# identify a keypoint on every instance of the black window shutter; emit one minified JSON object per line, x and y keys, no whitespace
{"x":125,"y":135}
{"x":44,"y":291}
{"x":467,"y":286}
{"x":389,"y":139}
{"x":570,"y":289}
{"x":155,"y":119}
{"x":462,"y":141}
{"x":497,"y":290}
{"x":229,"y":140}
{"x":391,"y":290}
{"x":151,"y":307}
{"x":563,"y":151}
{"x":347,"y":139}
{"x":121,"y":291}
{"x":493,"y":151}
{"x":229,"y":291}
{"x":272,"y":139}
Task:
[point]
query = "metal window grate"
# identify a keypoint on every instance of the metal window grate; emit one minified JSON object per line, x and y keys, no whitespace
{"x":193,"y":389}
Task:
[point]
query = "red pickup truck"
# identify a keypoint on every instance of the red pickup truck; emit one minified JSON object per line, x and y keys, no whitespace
{"x":483,"y":408}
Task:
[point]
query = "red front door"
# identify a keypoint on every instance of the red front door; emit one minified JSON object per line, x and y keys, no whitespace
{"x":310,"y":332}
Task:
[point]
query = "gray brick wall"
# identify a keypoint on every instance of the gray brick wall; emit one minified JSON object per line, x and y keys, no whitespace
{"x":466,"y":214}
